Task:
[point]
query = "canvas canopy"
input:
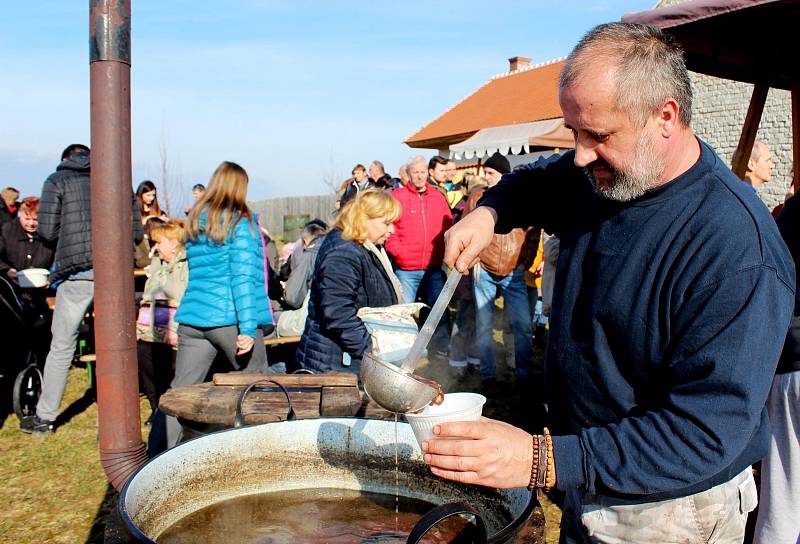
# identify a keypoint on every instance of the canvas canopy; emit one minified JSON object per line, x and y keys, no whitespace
{"x":514,"y":139}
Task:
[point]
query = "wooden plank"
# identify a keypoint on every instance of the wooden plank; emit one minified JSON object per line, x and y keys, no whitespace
{"x":205,"y":403}
{"x":751,"y":121}
{"x":281,"y":340}
{"x":339,"y":401}
{"x":341,"y":379}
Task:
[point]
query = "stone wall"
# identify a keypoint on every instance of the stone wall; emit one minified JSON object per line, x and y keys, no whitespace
{"x":720,"y":106}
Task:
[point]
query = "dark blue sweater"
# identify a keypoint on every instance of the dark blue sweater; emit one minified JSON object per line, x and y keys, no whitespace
{"x":669,"y":314}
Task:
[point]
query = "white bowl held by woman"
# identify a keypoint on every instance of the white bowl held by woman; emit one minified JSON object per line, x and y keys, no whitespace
{"x":455,"y":407}
{"x":33,"y":277}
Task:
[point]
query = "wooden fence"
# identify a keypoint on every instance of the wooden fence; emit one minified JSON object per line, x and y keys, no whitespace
{"x":289,"y":211}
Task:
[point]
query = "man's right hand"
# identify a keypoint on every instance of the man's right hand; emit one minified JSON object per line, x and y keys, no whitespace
{"x":470,"y":236}
{"x":12,"y":275}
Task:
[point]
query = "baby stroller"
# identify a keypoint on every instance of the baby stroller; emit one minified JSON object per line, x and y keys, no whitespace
{"x":20,"y":369}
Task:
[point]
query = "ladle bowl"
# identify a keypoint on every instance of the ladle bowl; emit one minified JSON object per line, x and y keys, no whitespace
{"x":396,"y":388}
{"x":397,"y":391}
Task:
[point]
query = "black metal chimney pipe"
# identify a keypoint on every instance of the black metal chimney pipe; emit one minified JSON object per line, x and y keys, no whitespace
{"x":121,"y":446}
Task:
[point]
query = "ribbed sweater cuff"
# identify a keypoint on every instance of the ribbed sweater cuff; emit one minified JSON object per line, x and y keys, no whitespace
{"x":570,"y":463}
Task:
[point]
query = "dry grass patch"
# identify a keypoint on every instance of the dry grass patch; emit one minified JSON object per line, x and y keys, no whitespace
{"x":54,"y":489}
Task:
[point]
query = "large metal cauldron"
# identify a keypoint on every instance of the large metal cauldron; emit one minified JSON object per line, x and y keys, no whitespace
{"x":341,"y":453}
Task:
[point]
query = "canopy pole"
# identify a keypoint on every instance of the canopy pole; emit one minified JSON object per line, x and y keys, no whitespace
{"x":754,"y":111}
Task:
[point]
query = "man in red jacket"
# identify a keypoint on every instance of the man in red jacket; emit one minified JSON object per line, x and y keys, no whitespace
{"x":417,"y":245}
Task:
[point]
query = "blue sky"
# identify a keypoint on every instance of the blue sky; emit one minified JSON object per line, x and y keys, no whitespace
{"x":294,"y":91}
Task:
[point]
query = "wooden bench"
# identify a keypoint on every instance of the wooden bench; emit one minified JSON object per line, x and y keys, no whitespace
{"x":281,"y":340}
{"x":91,"y":357}
{"x":51,"y":301}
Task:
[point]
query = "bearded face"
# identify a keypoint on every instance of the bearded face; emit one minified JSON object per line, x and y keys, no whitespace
{"x":627,"y":181}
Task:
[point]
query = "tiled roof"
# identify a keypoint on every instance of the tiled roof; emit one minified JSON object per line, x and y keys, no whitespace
{"x":530,"y":94}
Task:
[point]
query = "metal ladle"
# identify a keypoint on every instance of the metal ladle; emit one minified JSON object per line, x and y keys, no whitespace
{"x":396,"y":388}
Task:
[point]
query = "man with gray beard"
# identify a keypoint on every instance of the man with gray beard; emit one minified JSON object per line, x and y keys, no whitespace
{"x":673,"y":295}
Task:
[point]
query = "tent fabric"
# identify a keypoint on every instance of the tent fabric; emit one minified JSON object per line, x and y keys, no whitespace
{"x":514,"y":139}
{"x":688,"y":12}
{"x":742,"y":40}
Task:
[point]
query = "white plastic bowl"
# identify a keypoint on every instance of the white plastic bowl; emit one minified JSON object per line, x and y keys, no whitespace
{"x":33,"y":277}
{"x":455,"y":407}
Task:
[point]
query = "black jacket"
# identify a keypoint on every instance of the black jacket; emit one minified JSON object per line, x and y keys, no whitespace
{"x":65,"y":216}
{"x":384,"y":182}
{"x":6,"y":215}
{"x":18,"y":251}
{"x":347,"y":277}
{"x":352,"y":191}
{"x":789,"y":225}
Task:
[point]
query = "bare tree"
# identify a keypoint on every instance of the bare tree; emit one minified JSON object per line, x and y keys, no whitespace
{"x":332,"y":175}
{"x":172,"y":190}
{"x":164,"y":156}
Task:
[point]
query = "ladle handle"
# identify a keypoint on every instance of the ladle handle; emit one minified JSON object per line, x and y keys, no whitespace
{"x":424,"y":336}
{"x":434,"y":516}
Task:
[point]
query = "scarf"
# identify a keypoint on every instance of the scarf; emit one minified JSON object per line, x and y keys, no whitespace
{"x":387,"y":266}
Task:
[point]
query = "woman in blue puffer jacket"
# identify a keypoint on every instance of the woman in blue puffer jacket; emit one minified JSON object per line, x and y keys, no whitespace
{"x":226,"y":299}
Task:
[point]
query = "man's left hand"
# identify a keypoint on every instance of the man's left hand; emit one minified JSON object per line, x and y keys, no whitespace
{"x":489,"y":453}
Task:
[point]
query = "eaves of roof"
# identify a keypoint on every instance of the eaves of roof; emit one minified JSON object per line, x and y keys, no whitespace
{"x":527,"y":95}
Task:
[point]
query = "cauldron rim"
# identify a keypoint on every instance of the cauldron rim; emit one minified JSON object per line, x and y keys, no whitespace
{"x":502,"y":535}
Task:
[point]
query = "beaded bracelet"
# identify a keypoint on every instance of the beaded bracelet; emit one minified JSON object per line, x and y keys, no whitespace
{"x":534,"y":462}
{"x":543,"y":470}
{"x":550,"y":470}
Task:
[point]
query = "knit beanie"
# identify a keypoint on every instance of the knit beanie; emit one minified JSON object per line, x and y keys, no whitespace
{"x":498,"y":162}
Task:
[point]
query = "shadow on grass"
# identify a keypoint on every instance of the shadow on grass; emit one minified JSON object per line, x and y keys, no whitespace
{"x":77,"y":407}
{"x":104,"y":511}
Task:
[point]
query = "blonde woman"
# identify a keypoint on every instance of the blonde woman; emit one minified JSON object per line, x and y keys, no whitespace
{"x":226,"y":299}
{"x":352,"y":271}
{"x":156,"y":329}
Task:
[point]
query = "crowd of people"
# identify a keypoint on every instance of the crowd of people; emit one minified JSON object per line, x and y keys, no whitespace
{"x":213,"y":286}
{"x":670,"y":290}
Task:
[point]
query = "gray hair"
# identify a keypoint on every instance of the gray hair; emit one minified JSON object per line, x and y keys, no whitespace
{"x":414,"y":160}
{"x":759,"y":146}
{"x":650,"y":68}
{"x":379,"y":164}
